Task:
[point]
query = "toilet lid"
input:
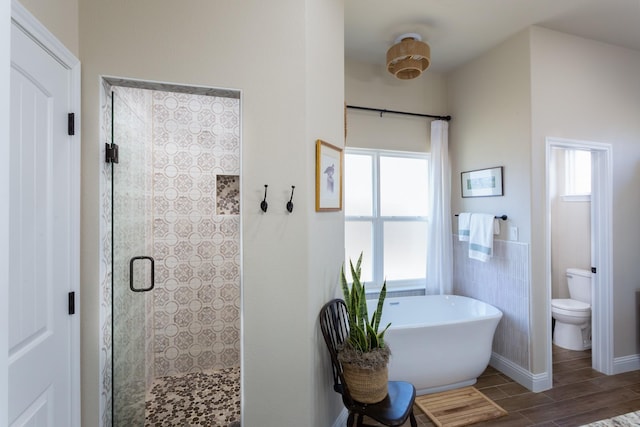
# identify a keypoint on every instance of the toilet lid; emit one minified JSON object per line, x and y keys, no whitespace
{"x":570,"y":304}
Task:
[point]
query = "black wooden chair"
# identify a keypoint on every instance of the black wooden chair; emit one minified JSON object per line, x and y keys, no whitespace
{"x":395,"y":409}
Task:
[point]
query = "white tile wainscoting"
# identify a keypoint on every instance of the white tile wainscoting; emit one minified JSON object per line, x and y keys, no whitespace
{"x":503,"y":282}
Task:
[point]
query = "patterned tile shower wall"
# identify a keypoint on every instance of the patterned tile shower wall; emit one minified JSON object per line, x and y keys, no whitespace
{"x":502,"y":282}
{"x":215,"y":151}
{"x":196,"y":232}
{"x":105,"y":339}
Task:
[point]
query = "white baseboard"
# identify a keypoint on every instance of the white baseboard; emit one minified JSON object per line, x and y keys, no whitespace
{"x":534,"y":382}
{"x":341,"y":421}
{"x":626,"y":363}
{"x":543,"y":381}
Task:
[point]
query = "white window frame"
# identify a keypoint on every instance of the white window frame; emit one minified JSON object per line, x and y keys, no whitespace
{"x":378,"y":221}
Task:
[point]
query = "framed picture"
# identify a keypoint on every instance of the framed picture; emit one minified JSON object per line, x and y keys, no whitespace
{"x":482,"y":182}
{"x":328,"y":177}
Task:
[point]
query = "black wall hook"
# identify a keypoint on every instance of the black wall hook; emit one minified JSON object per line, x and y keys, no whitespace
{"x":264,"y":205}
{"x":290,"y":202}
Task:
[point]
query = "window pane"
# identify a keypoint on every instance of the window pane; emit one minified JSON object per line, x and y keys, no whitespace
{"x":405,"y":250}
{"x":581,"y":172}
{"x":403,"y":186}
{"x":358,"y":186}
{"x":358,"y":238}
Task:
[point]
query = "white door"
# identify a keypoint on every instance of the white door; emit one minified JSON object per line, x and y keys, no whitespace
{"x":42,"y":238}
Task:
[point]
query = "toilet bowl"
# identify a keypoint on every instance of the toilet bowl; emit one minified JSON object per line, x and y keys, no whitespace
{"x":573,"y":315}
{"x":573,"y":324}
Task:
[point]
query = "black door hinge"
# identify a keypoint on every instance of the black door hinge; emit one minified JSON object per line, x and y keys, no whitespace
{"x":72,"y":303}
{"x":593,"y":270}
{"x":71,"y":124}
{"x":111,"y":153}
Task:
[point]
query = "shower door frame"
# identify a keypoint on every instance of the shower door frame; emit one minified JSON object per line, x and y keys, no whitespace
{"x":105,"y":292}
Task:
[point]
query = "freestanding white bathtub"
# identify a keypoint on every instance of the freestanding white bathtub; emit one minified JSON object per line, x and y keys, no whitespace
{"x":438,"y":342}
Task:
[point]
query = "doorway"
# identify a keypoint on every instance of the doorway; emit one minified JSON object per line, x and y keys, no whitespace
{"x":597,"y":226}
{"x":174,"y":160}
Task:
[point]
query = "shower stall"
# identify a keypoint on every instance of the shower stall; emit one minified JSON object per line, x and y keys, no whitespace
{"x":173,"y":156}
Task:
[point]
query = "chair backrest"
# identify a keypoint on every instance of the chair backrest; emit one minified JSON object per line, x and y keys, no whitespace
{"x":334,"y":323}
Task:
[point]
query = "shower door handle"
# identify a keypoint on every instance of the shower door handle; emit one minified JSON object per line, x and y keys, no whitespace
{"x":153,"y":263}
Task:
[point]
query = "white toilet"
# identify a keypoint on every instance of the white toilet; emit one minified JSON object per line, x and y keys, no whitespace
{"x":573,"y":315}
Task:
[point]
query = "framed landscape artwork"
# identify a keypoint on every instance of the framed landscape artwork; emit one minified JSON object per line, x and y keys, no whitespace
{"x":482,"y":182}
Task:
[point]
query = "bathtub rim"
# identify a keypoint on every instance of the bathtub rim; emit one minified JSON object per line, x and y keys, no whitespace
{"x":498,"y":314}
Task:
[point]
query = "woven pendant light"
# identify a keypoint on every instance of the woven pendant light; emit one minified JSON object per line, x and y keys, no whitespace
{"x":409,"y":57}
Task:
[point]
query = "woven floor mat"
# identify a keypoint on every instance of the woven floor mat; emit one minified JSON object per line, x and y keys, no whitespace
{"x":459,"y":407}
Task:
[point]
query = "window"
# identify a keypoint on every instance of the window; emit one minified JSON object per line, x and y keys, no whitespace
{"x":577,"y":175}
{"x":386,"y":205}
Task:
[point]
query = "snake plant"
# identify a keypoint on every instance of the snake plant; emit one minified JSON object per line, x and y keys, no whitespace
{"x":363,"y":332}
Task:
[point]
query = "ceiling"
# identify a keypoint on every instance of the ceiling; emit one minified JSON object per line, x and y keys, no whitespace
{"x":460,"y":30}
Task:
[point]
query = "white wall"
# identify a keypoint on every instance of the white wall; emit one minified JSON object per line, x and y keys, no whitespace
{"x":490,"y":103}
{"x":570,"y":230}
{"x":60,"y":17}
{"x":586,"y":90}
{"x":325,"y":240}
{"x":489,"y":100}
{"x":368,"y":85}
{"x":291,"y":76}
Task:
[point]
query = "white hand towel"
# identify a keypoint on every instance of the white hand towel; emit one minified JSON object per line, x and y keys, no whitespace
{"x":496,"y":226}
{"x":464,"y":219}
{"x":481,"y":237}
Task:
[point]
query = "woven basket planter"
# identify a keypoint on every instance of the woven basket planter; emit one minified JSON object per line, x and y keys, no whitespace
{"x":366,"y":385}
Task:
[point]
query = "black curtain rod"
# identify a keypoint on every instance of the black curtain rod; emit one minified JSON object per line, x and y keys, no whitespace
{"x":382,"y":111}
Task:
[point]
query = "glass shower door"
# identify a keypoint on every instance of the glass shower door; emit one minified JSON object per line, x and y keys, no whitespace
{"x":132,"y":263}
{"x":176,"y":198}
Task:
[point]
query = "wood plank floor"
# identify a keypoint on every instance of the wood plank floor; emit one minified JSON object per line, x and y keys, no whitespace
{"x":579,"y":395}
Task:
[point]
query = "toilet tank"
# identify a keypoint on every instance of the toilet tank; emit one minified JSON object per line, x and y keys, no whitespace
{"x":579,"y":282}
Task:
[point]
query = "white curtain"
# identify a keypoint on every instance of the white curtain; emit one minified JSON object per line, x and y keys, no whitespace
{"x":439,"y":243}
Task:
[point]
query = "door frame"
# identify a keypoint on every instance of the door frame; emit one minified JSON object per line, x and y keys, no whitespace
{"x":601,"y":250}
{"x":24,"y":20}
{"x":5,"y":90}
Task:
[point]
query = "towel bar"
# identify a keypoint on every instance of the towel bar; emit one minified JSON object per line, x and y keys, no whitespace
{"x":502,"y":217}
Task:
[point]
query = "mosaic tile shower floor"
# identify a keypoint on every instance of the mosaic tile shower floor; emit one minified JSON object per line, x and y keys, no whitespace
{"x":195,"y":399}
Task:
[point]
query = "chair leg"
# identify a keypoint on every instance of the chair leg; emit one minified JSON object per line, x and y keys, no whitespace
{"x":350,"y":419}
{"x":360,"y":419}
{"x":412,"y":419}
